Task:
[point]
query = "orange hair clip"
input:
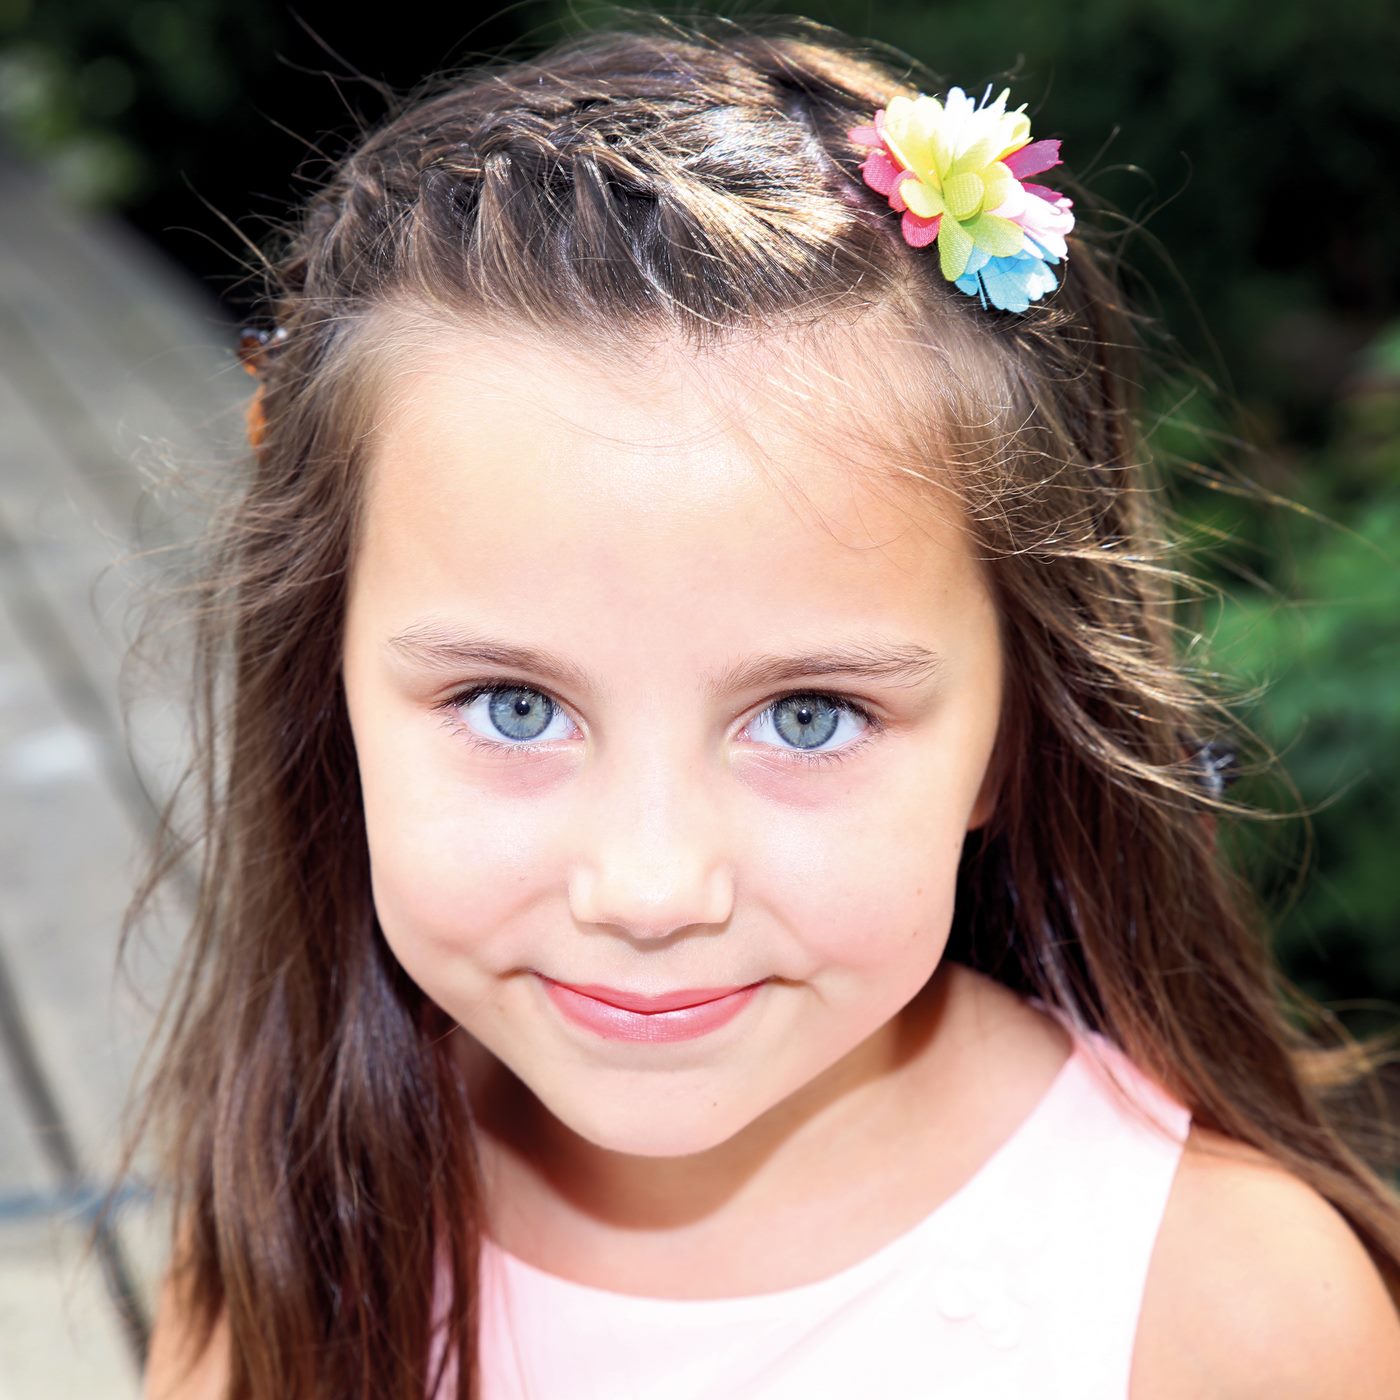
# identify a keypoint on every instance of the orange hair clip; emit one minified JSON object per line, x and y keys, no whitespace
{"x":254,"y":345}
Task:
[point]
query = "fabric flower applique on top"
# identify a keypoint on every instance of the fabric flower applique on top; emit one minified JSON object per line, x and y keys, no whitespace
{"x":957,"y":172}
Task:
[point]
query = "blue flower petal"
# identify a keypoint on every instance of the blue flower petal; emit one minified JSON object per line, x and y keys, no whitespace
{"x":977,"y":259}
{"x":971,"y":283}
{"x":1010,"y":283}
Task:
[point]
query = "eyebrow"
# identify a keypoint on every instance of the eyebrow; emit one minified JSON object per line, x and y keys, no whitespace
{"x":434,"y":647}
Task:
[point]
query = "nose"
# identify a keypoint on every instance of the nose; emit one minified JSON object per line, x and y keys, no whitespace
{"x":653,"y":858}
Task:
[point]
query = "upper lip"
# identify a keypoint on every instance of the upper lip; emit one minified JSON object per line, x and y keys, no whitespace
{"x":666,"y":1001}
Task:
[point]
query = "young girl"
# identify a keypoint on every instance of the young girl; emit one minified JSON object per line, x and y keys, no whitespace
{"x":711,"y":885}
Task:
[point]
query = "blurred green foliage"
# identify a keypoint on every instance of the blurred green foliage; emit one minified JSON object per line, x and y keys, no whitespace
{"x":86,"y":85}
{"x":1242,"y":152}
{"x":1321,"y":631}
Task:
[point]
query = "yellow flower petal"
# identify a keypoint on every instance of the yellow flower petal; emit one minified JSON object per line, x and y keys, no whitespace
{"x":922,"y":198}
{"x":998,"y":182}
{"x":930,"y":124}
{"x":911,"y":129}
{"x":992,"y":129}
{"x":1017,"y":133}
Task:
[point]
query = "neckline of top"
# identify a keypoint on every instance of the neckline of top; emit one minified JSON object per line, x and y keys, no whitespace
{"x":1019,"y":1143}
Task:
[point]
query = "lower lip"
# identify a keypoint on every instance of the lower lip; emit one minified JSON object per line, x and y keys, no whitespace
{"x":614,"y":1023}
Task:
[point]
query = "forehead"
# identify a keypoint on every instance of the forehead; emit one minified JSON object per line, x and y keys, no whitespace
{"x":509,"y":474}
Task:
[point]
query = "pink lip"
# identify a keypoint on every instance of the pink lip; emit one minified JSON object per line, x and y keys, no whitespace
{"x":632,"y":1001}
{"x":619,"y":1015}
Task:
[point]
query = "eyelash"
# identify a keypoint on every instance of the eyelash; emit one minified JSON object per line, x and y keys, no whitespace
{"x":450,"y":706}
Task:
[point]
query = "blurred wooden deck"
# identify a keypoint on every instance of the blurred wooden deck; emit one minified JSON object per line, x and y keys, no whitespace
{"x":109,"y":359}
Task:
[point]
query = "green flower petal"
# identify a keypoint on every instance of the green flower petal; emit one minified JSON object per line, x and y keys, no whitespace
{"x":998,"y":236}
{"x":954,"y":248}
{"x":963,"y":194}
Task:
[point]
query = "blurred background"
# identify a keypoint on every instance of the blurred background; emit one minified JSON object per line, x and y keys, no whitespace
{"x":1238,"y":150}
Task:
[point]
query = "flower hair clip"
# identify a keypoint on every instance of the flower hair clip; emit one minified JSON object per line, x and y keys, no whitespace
{"x":957,"y":172}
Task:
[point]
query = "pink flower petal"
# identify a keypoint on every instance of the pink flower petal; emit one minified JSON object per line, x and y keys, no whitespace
{"x":1032,"y":159}
{"x":1049,"y":196}
{"x":881,"y":173}
{"x":864,"y":135}
{"x":1048,"y":223}
{"x":919,"y":232}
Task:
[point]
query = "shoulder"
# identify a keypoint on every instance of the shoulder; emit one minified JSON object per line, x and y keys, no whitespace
{"x":1258,"y":1287}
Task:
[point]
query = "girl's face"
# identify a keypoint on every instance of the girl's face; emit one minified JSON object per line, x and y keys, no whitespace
{"x":647,"y":696}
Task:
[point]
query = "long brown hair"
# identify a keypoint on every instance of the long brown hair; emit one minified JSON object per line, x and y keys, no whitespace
{"x":687,"y":182}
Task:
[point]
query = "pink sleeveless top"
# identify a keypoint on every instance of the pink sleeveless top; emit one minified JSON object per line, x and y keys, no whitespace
{"x":1027,"y":1281}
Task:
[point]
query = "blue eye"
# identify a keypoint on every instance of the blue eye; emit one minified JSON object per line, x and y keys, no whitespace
{"x":520,"y":713}
{"x":809,"y":719}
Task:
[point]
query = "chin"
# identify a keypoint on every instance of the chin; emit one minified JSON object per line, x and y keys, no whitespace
{"x":674,"y":1132}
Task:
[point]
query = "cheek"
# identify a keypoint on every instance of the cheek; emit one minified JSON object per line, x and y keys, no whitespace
{"x":446,"y":873}
{"x":869,"y":891}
